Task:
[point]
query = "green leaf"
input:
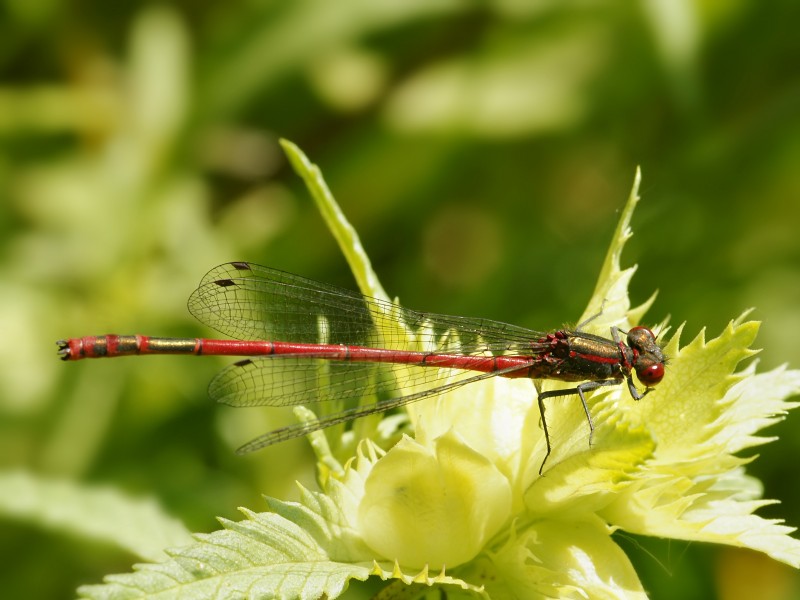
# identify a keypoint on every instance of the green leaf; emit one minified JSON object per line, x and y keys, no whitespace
{"x":610,"y":304}
{"x":345,"y":234}
{"x":694,"y":488}
{"x":680,"y":411}
{"x":590,"y":476}
{"x":264,"y":556}
{"x":139,"y":526}
{"x":559,"y":558}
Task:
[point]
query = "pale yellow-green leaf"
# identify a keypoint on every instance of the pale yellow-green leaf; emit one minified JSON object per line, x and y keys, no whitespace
{"x":591,"y":476}
{"x":695,"y":488}
{"x":555,"y":558}
{"x":610,"y":304}
{"x":300,"y":550}
{"x":346,"y":236}
{"x":421,"y":577}
{"x":682,"y":411}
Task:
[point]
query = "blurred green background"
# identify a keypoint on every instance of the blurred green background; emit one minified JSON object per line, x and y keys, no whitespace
{"x":481,"y":149}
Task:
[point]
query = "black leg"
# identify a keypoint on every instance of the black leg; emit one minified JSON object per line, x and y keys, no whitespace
{"x":580,"y":390}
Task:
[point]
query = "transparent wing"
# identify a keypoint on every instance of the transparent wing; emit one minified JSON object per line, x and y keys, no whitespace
{"x":285,"y":381}
{"x":291,"y":380}
{"x":251,"y":302}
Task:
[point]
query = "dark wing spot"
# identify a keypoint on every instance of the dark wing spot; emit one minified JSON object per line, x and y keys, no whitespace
{"x":225,"y":282}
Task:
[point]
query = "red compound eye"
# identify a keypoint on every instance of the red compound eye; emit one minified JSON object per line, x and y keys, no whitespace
{"x":651,"y":374}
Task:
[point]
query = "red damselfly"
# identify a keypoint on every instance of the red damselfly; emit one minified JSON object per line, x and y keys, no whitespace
{"x":310,"y":342}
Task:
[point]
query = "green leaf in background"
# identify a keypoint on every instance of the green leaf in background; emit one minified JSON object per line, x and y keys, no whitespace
{"x":104,"y":515}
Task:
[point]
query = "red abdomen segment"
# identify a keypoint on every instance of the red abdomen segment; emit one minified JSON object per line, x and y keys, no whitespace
{"x":106,"y":346}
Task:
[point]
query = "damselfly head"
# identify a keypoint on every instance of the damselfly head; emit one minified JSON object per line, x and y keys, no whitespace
{"x":649,"y":358}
